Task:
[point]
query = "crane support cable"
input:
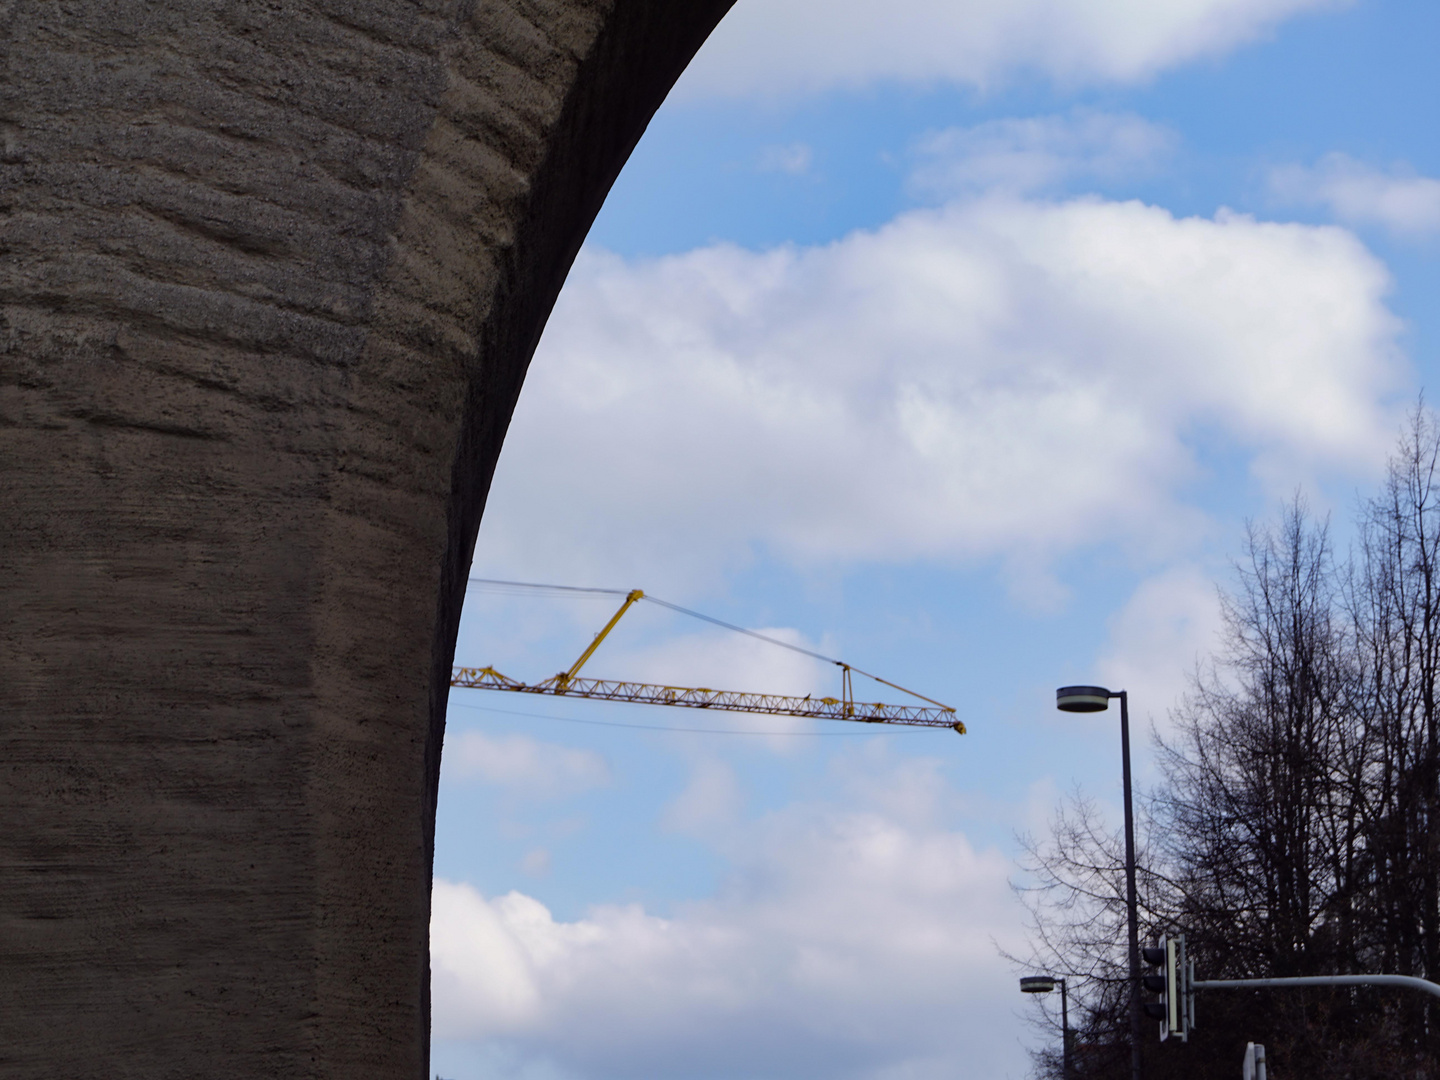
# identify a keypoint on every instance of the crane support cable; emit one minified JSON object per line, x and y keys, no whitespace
{"x":632,"y":594}
{"x":824,"y":708}
{"x":537,"y":587}
{"x":742,"y":630}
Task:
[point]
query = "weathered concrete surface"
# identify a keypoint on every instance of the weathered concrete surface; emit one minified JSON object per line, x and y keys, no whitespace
{"x":270,"y":276}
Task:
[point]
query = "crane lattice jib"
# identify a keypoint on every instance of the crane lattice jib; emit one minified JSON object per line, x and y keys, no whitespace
{"x":823,"y":708}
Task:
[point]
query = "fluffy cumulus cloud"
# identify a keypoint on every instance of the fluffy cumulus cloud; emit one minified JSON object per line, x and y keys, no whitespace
{"x":847,"y":942}
{"x":790,"y":46}
{"x":1397,"y":199}
{"x":996,"y":377}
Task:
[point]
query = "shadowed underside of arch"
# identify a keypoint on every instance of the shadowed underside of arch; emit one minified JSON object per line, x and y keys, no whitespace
{"x":271,"y":277}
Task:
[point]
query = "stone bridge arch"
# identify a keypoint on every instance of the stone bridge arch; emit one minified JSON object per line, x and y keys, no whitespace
{"x":271,"y":277}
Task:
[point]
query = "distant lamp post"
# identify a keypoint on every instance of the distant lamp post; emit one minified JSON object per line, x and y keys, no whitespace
{"x":1044,"y":984}
{"x":1088,"y":699}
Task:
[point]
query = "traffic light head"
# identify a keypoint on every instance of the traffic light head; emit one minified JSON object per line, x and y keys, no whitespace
{"x":1172,"y":984}
{"x":1154,"y":956}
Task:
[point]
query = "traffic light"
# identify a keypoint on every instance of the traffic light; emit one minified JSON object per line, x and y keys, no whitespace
{"x":1174,"y":1009}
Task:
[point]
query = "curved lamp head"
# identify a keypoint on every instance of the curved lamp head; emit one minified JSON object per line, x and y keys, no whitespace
{"x":1082,"y":699}
{"x":1037,"y":984}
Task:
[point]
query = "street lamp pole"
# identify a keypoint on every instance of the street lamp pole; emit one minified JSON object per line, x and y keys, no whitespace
{"x":1130,"y":894}
{"x":1043,"y":984}
{"x":1097,"y":699}
{"x":1064,"y":1033}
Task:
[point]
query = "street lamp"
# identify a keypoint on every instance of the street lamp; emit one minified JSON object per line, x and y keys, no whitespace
{"x":1087,"y":699}
{"x":1043,"y":984}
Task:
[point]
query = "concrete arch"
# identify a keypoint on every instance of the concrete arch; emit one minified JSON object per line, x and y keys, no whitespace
{"x":272,"y":275}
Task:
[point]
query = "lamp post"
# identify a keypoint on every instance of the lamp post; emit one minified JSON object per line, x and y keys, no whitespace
{"x":1043,"y":984}
{"x":1087,"y":699}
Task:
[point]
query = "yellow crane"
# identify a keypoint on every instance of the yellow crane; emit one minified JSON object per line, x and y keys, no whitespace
{"x":569,"y":684}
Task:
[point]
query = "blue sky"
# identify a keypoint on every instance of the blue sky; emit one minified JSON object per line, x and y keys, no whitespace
{"x":959,"y":341}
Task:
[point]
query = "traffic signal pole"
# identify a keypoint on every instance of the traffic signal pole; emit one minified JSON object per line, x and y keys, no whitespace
{"x":1410,"y":981}
{"x":1177,"y":985}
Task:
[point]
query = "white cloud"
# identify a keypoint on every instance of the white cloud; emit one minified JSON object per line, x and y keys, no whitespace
{"x":910,"y":791}
{"x":846,"y":943}
{"x":536,"y":862}
{"x":996,"y":378}
{"x":711,"y":799}
{"x":1038,"y":153}
{"x":532,"y":768}
{"x":1400,"y":200}
{"x":802,"y":46}
{"x":1170,"y":623}
{"x":721,"y":660}
{"x":793,"y":159}
{"x":724,"y":660}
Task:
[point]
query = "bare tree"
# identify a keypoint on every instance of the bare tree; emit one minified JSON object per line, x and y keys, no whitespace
{"x":1394,"y":608}
{"x":1256,"y":809}
{"x":1260,"y":817}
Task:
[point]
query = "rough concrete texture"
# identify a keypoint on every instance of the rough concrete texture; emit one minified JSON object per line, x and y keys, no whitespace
{"x":270,"y":276}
